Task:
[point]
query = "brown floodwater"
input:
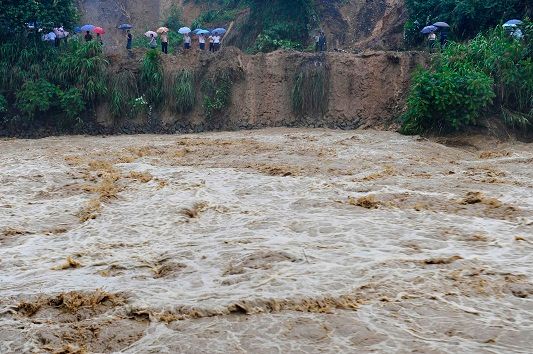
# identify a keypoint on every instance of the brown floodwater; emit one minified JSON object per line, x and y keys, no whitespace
{"x":269,"y":241}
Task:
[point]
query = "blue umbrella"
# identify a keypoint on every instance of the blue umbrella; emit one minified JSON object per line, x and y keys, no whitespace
{"x":203,"y":32}
{"x":77,"y":29}
{"x":513,"y":22}
{"x":197,"y":30}
{"x":441,"y":25}
{"x":125,"y":26}
{"x":429,"y":29}
{"x":87,"y":28}
{"x":218,"y":31}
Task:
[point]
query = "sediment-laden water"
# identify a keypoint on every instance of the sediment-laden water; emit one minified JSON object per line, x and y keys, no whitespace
{"x":272,"y":241}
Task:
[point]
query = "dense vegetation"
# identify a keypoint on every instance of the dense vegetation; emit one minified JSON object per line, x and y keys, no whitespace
{"x":490,"y":75}
{"x":467,"y":18}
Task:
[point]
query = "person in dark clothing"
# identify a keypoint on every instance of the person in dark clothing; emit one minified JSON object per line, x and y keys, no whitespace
{"x":322,"y":42}
{"x":129,"y":44}
{"x":88,"y":36}
{"x":443,"y":38}
{"x":164,"y":42}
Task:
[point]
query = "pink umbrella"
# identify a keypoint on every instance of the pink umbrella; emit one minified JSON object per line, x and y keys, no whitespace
{"x":98,"y":30}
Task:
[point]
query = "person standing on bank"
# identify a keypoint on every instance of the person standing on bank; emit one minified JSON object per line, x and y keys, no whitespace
{"x":129,"y":44}
{"x":164,"y":42}
{"x":216,"y":42}
{"x":88,"y":36}
{"x":432,"y":38}
{"x":322,"y":42}
{"x":201,"y":41}
{"x":153,"y":41}
{"x":211,"y":45}
{"x":187,"y":41}
{"x":317,"y":42}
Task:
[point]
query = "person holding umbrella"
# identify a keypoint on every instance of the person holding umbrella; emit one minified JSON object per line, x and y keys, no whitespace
{"x":201,"y":41}
{"x":88,"y":36}
{"x":443,"y":27}
{"x":432,"y":37}
{"x":153,"y":41}
{"x":163,"y":31}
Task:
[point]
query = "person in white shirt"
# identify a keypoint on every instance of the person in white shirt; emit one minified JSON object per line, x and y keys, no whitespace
{"x":187,"y":42}
{"x":201,"y":40}
{"x":211,"y":45}
{"x":216,"y":42}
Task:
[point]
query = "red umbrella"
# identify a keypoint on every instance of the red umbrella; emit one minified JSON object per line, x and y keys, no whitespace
{"x":99,"y":30}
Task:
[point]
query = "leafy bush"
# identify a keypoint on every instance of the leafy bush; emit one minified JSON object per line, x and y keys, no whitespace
{"x":466,"y":17}
{"x":152,"y":77}
{"x":124,"y":89}
{"x":71,"y":102}
{"x":180,"y":91}
{"x":310,"y":93}
{"x":3,"y":104}
{"x":217,"y":94}
{"x":454,"y":91}
{"x":37,"y":96}
{"x":445,"y":99}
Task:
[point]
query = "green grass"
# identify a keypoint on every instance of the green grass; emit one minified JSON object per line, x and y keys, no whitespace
{"x":310,"y":93}
{"x":180,"y":90}
{"x":152,"y":77}
{"x":124,"y":89}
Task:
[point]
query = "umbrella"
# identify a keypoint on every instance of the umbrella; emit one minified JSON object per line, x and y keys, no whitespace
{"x":87,"y":28}
{"x":60,"y":32}
{"x":184,"y":30}
{"x":429,"y":29}
{"x":197,"y":30}
{"x":150,"y":33}
{"x":218,"y":31}
{"x":203,"y":32}
{"x":441,"y":24}
{"x":77,"y":29}
{"x":125,"y":26}
{"x":162,"y":30}
{"x":513,"y":22}
{"x":99,"y":30}
{"x":49,"y":37}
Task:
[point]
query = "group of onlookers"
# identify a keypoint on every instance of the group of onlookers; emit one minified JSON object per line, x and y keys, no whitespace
{"x":214,"y":41}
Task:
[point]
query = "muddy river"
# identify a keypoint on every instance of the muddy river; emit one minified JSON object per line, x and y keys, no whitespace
{"x":270,"y":241}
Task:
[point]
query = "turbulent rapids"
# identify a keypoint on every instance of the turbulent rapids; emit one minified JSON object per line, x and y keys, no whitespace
{"x":269,"y":241}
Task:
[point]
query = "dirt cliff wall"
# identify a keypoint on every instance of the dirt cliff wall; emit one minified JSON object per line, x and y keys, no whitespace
{"x":364,"y":90}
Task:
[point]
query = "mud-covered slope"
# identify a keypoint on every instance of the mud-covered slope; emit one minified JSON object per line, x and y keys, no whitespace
{"x":362,"y":24}
{"x":364,"y":90}
{"x":349,"y":25}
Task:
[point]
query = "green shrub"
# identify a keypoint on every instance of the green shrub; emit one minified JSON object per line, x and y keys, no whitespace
{"x":152,"y":77}
{"x":124,"y":89}
{"x":445,"y":99}
{"x":310,"y":92}
{"x":71,"y":102}
{"x":37,"y":96}
{"x":180,"y":90}
{"x":455,"y":90}
{"x":3,"y":104}
{"x":217,"y":94}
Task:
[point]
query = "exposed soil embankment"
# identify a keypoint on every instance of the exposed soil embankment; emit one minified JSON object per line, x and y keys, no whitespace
{"x":364,"y":90}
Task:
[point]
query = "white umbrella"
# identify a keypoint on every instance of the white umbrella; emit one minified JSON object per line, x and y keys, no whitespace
{"x":150,"y":34}
{"x":184,"y":30}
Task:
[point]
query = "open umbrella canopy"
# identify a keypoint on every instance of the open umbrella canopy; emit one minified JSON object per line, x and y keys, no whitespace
{"x":218,"y":31}
{"x":49,"y":37}
{"x":441,"y":25}
{"x":77,"y":29}
{"x":429,"y":29}
{"x":86,"y":28}
{"x":197,"y":30}
{"x":125,"y":26}
{"x":162,"y":30}
{"x":202,"y":32}
{"x":513,"y":22}
{"x":98,"y":30}
{"x":150,"y":33}
{"x":184,"y":30}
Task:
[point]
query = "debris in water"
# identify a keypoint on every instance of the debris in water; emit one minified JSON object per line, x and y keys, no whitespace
{"x":367,"y":201}
{"x":70,"y":263}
